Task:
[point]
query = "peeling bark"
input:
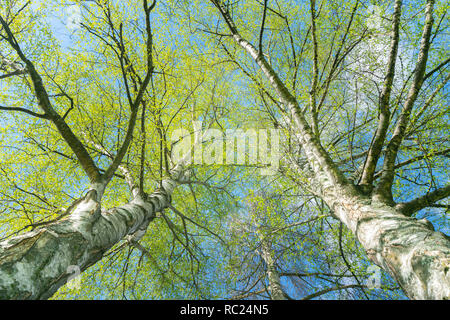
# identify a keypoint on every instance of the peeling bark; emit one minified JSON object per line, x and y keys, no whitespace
{"x":408,"y":249}
{"x":36,"y":264}
{"x":276,"y":292}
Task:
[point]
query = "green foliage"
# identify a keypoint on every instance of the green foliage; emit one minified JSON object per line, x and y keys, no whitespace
{"x":208,"y":246}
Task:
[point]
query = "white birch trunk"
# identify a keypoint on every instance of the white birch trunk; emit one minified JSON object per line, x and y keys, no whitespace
{"x":276,"y":292}
{"x":408,"y":249}
{"x":34,"y":265}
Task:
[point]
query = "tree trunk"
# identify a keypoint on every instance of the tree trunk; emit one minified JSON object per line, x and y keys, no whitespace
{"x":276,"y":292}
{"x":36,"y":264}
{"x":408,"y":249}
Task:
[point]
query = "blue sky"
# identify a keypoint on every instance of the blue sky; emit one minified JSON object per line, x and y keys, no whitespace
{"x":65,"y":36}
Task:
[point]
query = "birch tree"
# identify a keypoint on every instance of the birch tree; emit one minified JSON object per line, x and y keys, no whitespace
{"x":358,"y":91}
{"x":294,"y":250}
{"x":409,"y":249}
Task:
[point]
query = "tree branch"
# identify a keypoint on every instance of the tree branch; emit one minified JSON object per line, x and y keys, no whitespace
{"x":384,"y":117}
{"x":415,"y":159}
{"x":324,"y":291}
{"x":441,"y":65}
{"x":312,"y":93}
{"x":44,"y":103}
{"x":261,"y":32}
{"x":135,"y":105}
{"x":31,"y":113}
{"x":383,"y":191}
{"x":427,"y":200}
{"x":319,"y":159}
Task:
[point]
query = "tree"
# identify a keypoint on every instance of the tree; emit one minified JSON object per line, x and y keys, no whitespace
{"x":287,"y":250}
{"x":409,"y":249}
{"x":72,"y":239}
{"x":115,"y":102}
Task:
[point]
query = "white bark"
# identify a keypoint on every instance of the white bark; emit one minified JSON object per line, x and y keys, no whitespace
{"x":276,"y":292}
{"x":408,"y":249}
{"x":34,"y":265}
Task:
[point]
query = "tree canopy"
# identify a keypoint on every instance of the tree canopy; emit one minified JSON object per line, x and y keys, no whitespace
{"x":224,"y":149}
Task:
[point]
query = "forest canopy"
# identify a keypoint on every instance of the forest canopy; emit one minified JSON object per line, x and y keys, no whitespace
{"x":217,"y":149}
